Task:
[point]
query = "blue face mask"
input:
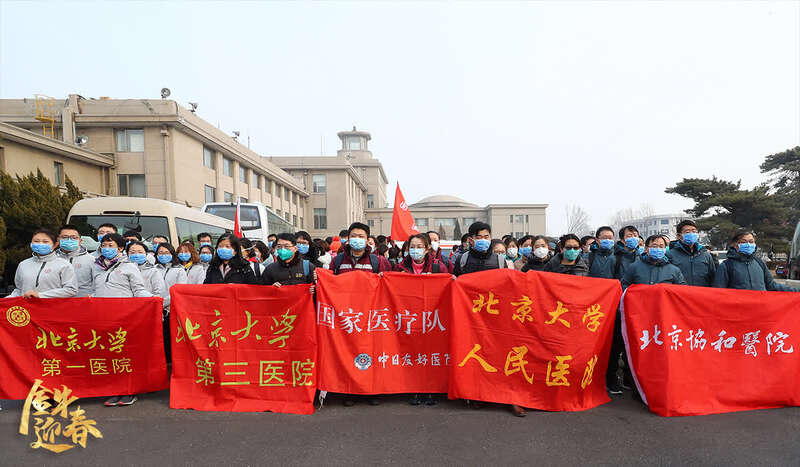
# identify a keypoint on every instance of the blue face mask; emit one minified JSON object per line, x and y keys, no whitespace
{"x":416,"y":253}
{"x":225,"y":253}
{"x":482,"y":244}
{"x":184,"y":256}
{"x":205,"y":257}
{"x":690,"y":238}
{"x":100,"y":237}
{"x":202,"y":244}
{"x":607,"y":243}
{"x":68,"y":244}
{"x":357,"y":243}
{"x":109,"y":252}
{"x":526,"y":251}
{"x":41,"y":248}
{"x":632,"y":242}
{"x":138,"y":258}
{"x":302,"y":248}
{"x":155,"y":246}
{"x":269,"y":243}
{"x":164,"y":259}
{"x":571,"y":255}
{"x":747,"y":248}
{"x":640,"y":250}
{"x":656,"y":253}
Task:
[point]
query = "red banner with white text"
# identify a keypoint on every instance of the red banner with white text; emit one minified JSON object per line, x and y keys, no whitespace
{"x":243,"y":348}
{"x":94,"y":346}
{"x":383,"y":335}
{"x":698,"y":350}
{"x":538,"y":340}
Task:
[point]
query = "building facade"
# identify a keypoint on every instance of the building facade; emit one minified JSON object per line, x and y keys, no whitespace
{"x":158,"y":149}
{"x":452,"y":216}
{"x":663,"y":224}
{"x":341,"y":187}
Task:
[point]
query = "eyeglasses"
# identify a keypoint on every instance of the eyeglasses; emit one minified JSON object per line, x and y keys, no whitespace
{"x":69,"y":237}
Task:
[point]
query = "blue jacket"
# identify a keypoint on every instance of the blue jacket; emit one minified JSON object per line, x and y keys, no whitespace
{"x":602,"y":262}
{"x":746,"y":272}
{"x":625,"y":258}
{"x":695,"y":262}
{"x":649,"y":271}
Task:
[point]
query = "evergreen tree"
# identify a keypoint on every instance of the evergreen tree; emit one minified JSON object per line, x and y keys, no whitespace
{"x":457,"y":231}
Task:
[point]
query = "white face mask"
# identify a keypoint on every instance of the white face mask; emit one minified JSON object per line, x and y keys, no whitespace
{"x":541,"y":252}
{"x":512,"y":252}
{"x":435,"y":246}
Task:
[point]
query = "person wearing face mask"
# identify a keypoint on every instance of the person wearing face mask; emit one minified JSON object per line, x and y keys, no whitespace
{"x":157,"y":240}
{"x":421,"y":259}
{"x":190,"y":260}
{"x":499,"y":248}
{"x":45,"y":274}
{"x":227,"y":266}
{"x":153,"y":280}
{"x":512,"y":251}
{"x":249,"y":254}
{"x":307,"y":249}
{"x":271,"y":238}
{"x":206,"y":253}
{"x":743,"y":269}
{"x":325,"y":255}
{"x":102,"y":231}
{"x":290,"y":268}
{"x":654,"y":267}
{"x":586,"y":246}
{"x":539,"y":256}
{"x":356,"y":255}
{"x":170,"y":268}
{"x":479,"y":256}
{"x":435,"y":243}
{"x":569,"y":261}
{"x":70,"y":249}
{"x":694,"y":261}
{"x":261,"y":251}
{"x":114,"y":274}
{"x":626,"y":250}
{"x":131,"y":236}
{"x":602,"y":261}
{"x":204,"y":239}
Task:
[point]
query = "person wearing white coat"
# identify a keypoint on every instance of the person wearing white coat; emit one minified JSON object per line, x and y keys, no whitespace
{"x":170,"y":269}
{"x":44,"y":275}
{"x":153,"y":280}
{"x":190,"y":260}
{"x":71,"y":250}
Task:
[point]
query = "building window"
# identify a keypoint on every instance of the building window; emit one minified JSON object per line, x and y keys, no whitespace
{"x":664,"y":221}
{"x":526,"y":220}
{"x":294,"y":220}
{"x":421,"y":221}
{"x":130,"y":140}
{"x":278,"y":191}
{"x":468,"y":221}
{"x":131,"y":185}
{"x":286,"y":216}
{"x":301,"y":223}
{"x":511,"y":218}
{"x":319,"y":183}
{"x":519,"y":218}
{"x":228,"y":197}
{"x":257,"y":180}
{"x":211,"y":194}
{"x":242,"y":199}
{"x":243,"y":174}
{"x":518,"y":235}
{"x":227,"y":167}
{"x":371,"y":223}
{"x":320,"y":218}
{"x":278,"y":212}
{"x":286,"y":193}
{"x":364,"y":173}
{"x":209,"y":157}
{"x":268,"y":185}
{"x":370,"y":201}
{"x":354,"y":143}
{"x":58,"y":175}
{"x":444,"y":222}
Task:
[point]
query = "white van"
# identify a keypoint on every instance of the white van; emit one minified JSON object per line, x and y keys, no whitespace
{"x":148,"y":216}
{"x":256,"y":220}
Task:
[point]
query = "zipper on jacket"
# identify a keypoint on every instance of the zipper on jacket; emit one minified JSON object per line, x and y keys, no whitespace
{"x":40,"y":273}
{"x":108,"y":273}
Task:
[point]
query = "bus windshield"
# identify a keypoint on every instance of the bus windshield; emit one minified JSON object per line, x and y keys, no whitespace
{"x":150,"y":226}
{"x":248,"y":215}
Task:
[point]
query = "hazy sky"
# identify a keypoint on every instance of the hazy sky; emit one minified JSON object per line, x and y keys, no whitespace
{"x":591,"y":103}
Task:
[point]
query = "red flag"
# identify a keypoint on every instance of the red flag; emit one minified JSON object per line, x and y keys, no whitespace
{"x":403,"y":225}
{"x":237,"y":228}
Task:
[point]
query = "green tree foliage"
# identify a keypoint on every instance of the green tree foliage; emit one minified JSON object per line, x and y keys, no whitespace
{"x":28,"y":203}
{"x":784,"y":171}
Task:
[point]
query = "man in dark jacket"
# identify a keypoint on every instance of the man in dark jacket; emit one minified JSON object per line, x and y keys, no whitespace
{"x":626,"y":250}
{"x":569,"y":261}
{"x":356,"y":255}
{"x":479,"y":257}
{"x":602,"y":260}
{"x":291,"y":268}
{"x":743,"y":269}
{"x":654,"y":267}
{"x":694,"y":261}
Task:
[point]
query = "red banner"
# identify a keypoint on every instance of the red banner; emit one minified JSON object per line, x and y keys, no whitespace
{"x":538,"y":340}
{"x":94,"y":346}
{"x":698,"y":350}
{"x":383,"y":335}
{"x":243,"y":348}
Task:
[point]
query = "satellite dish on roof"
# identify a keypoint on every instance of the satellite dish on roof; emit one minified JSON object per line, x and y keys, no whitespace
{"x":165,"y":93}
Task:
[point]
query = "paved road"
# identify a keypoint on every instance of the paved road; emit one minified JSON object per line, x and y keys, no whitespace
{"x":621,"y":432}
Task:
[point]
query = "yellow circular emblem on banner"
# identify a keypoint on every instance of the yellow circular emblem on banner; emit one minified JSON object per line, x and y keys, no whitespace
{"x":18,"y":316}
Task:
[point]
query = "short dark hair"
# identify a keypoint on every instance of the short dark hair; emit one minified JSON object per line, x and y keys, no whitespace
{"x":739,"y":234}
{"x":210,"y":249}
{"x":291,"y":238}
{"x":137,"y":242}
{"x":476,"y":227}
{"x":603,"y":229}
{"x":381,"y":239}
{"x":357,"y":225}
{"x":683,"y":224}
{"x":171,"y":250}
{"x":344,"y":233}
{"x":113,"y":237}
{"x":48,"y":232}
{"x":304,"y":235}
{"x":68,"y":227}
{"x":133,"y":233}
{"x":271,"y":236}
{"x":382,"y":248}
{"x":585,"y":239}
{"x":162,"y":236}
{"x":423,"y":237}
{"x":563,"y":240}
{"x":655,"y":237}
{"x":108,"y":225}
{"x":524,"y":239}
{"x":509,"y":239}
{"x":464,"y":237}
{"x":629,"y":228}
{"x":203,"y":234}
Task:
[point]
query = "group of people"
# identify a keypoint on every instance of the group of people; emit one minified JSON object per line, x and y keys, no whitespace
{"x":124,"y":266}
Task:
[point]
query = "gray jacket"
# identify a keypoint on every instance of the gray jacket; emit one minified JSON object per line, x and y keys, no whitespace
{"x":49,"y":275}
{"x":81,"y":262}
{"x":153,"y":281}
{"x":196,"y":274}
{"x":172,"y":275}
{"x":121,"y":279}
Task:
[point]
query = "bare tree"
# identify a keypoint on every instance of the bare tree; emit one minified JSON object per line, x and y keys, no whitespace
{"x":625,"y":216}
{"x":577,"y":220}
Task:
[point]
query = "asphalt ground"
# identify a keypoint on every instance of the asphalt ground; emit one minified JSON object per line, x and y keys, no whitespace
{"x":620,"y":432}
